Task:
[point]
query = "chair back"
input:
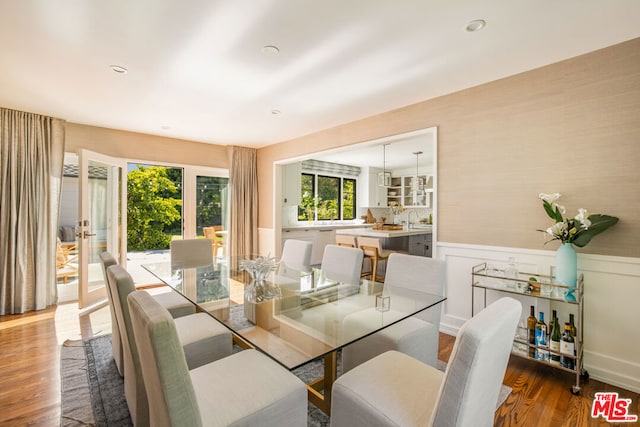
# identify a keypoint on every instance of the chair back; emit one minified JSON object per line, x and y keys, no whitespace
{"x":217,"y":240}
{"x":417,"y":273}
{"x":296,"y":254}
{"x":171,"y":396}
{"x":342,"y":264}
{"x":190,"y":253}
{"x":121,"y":284}
{"x":478,"y":362}
{"x":344,"y":240}
{"x":371,"y":246}
{"x":106,"y":261}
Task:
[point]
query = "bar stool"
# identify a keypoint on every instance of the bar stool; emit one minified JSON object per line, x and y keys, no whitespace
{"x":373,"y":251}
{"x":348,"y":241}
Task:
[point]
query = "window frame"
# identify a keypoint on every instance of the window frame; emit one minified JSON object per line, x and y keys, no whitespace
{"x":314,"y":185}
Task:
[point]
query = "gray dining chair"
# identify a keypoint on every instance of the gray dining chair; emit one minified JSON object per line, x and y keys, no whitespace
{"x":417,"y":336}
{"x":342,"y":264}
{"x":106,"y":261}
{"x":191,"y":253}
{"x":202,"y":338}
{"x":245,"y":389}
{"x":177,"y":305}
{"x":394,"y":389}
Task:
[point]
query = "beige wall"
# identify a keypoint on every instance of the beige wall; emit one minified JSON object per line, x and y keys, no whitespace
{"x":572,"y":127}
{"x":140,"y":146}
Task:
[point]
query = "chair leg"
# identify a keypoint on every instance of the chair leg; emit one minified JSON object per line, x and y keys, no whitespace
{"x":364,"y":274}
{"x":374,"y":269}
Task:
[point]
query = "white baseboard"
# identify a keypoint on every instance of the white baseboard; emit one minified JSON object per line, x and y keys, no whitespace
{"x":612,"y":370}
{"x":612,"y":292}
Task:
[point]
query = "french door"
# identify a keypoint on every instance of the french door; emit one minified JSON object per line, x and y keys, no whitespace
{"x":102,"y":221}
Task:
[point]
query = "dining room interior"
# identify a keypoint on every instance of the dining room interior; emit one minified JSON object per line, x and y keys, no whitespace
{"x":334,"y":243}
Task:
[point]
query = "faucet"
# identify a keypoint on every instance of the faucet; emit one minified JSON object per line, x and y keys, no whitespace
{"x":409,"y":218}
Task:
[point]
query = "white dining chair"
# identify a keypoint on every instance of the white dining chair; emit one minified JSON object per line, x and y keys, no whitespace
{"x":417,"y":336}
{"x":191,"y":253}
{"x":244,"y":389}
{"x":296,"y":254}
{"x":202,"y":339}
{"x":394,"y":389}
{"x":342,"y":264}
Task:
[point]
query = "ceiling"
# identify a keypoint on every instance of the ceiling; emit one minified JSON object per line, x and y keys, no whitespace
{"x":396,"y":154}
{"x":196,"y":69}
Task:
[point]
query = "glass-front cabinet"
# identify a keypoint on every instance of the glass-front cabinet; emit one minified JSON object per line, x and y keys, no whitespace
{"x":411,"y":191}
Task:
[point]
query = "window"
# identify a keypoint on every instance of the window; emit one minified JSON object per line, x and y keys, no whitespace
{"x":327,"y":197}
{"x":348,"y":198}
{"x":306,"y":209}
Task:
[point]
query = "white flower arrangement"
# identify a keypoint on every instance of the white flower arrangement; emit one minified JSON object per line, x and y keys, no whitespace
{"x":578,"y":230}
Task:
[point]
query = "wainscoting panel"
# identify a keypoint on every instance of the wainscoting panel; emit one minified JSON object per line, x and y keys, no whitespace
{"x":611,"y":308}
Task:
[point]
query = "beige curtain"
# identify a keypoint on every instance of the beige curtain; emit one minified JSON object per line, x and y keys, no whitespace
{"x":243,"y":183}
{"x":31,"y":159}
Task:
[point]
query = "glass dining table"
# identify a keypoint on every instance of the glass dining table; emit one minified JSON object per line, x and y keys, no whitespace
{"x":293,"y":316}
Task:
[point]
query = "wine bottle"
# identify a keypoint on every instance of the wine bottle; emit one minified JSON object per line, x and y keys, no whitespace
{"x":541,"y":339}
{"x":567,"y":347}
{"x":574,"y":331}
{"x":531,"y":327}
{"x":552,"y":323}
{"x":554,"y":341}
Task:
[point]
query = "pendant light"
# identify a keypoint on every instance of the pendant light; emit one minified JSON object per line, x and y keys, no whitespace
{"x":384,"y":177}
{"x":416,"y":180}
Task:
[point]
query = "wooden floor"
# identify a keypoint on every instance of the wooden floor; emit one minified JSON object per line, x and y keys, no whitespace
{"x":30,"y":375}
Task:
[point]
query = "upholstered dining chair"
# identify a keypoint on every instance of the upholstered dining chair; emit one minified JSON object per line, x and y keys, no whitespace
{"x":177,"y":305}
{"x":191,"y":253}
{"x":372,"y":248}
{"x":342,"y":264}
{"x":394,"y":389}
{"x":417,"y":336}
{"x":296,"y":254}
{"x":202,"y":338}
{"x":245,"y":389}
{"x":106,"y":261}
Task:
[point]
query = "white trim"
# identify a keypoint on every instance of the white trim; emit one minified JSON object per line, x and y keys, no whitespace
{"x":611,"y":294}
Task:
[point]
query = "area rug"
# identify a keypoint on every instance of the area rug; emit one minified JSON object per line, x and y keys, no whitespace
{"x":93,"y":391}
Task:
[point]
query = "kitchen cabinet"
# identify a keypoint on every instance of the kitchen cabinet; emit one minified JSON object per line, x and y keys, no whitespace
{"x":403,"y":192}
{"x":291,"y":184}
{"x":370,"y":194}
{"x":420,"y":244}
{"x":319,"y":238}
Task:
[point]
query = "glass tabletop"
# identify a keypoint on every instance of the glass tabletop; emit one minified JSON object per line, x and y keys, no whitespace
{"x":293,"y":316}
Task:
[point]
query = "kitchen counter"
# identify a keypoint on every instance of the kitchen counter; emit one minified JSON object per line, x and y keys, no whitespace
{"x":368,"y":232}
{"x":336,"y":226}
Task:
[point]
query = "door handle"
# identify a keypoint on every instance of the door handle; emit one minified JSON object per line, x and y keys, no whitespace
{"x":86,"y":234}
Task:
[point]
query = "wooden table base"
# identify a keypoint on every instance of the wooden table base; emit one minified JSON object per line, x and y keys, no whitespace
{"x":314,"y":388}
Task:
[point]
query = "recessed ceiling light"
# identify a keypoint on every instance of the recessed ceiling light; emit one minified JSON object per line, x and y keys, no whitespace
{"x":118,"y":69}
{"x":475,"y":25}
{"x":165,"y":127}
{"x":270,"y":50}
{"x":276,"y":112}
